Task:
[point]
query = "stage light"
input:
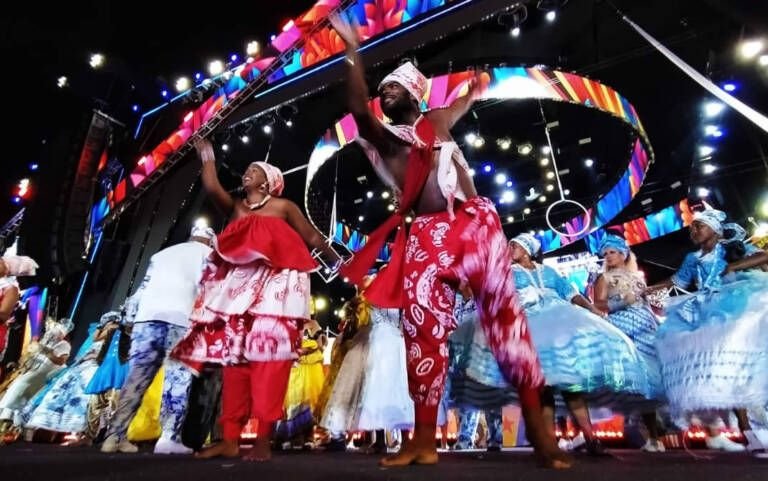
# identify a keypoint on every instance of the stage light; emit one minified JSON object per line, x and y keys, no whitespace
{"x":713,"y":109}
{"x":764,"y":207}
{"x":479,"y":142}
{"x":551,"y":16}
{"x":525,"y":149}
{"x":702,"y":192}
{"x":527,"y":211}
{"x":567,"y":192}
{"x":540,"y":233}
{"x":470,"y":138}
{"x":385,"y":194}
{"x":546,"y":150}
{"x":544,"y":161}
{"x":97,"y":60}
{"x":508,"y":196}
{"x":509,"y":183}
{"x":233,"y":57}
{"x":729,"y":87}
{"x":135,"y":107}
{"x":16,"y":200}
{"x":504,"y":144}
{"x":267,"y":129}
{"x":408,"y":219}
{"x":589,"y":162}
{"x":216,"y":67}
{"x":708,"y":168}
{"x":289,"y":123}
{"x":164,"y":93}
{"x":225,"y":147}
{"x":472,"y":172}
{"x":713,"y":131}
{"x":182,"y":84}
{"x":321,"y":303}
{"x":245,"y":139}
{"x":675,"y":184}
{"x":272,"y":38}
{"x":391,"y":207}
{"x":763,"y":60}
{"x":23,"y":188}
{"x":706,"y":150}
{"x":550,"y":187}
{"x":510,"y":218}
{"x":201,"y":223}
{"x":543,"y":199}
{"x":500,"y":179}
{"x":749,"y":49}
{"x":369,"y":194}
{"x":33,"y":166}
{"x":360,"y":218}
{"x":550,"y":175}
{"x":252,"y":48}
{"x":62,"y":82}
{"x":515,"y":32}
{"x":487,"y":168}
{"x":198,"y":76}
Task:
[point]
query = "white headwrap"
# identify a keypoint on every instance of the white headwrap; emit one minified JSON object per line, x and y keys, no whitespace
{"x":20,"y":265}
{"x":410,"y":78}
{"x":711,"y":217}
{"x":529,"y":243}
{"x":202,"y":231}
{"x":274,"y":175}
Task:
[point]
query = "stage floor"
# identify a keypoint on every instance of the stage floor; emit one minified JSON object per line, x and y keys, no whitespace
{"x":38,"y":462}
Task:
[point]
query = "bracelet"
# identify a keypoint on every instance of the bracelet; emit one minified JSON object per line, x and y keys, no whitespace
{"x":349,"y":60}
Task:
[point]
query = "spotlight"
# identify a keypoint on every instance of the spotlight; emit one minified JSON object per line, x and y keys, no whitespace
{"x":135,"y":107}
{"x":198,"y":76}
{"x":500,"y":179}
{"x":369,"y":194}
{"x":233,"y":57}
{"x":408,"y":219}
{"x":289,"y":123}
{"x":706,"y":150}
{"x":551,"y":16}
{"x":216,"y":67}
{"x":550,"y":187}
{"x":544,"y":161}
{"x":750,"y":48}
{"x":510,"y":218}
{"x":508,"y":196}
{"x":589,"y":162}
{"x":729,"y":87}
{"x":472,"y":172}
{"x":62,"y":82}
{"x":526,"y":211}
{"x":252,"y":48}
{"x":546,"y":150}
{"x":702,"y":192}
{"x":713,"y":131}
{"x":509,"y":183}
{"x":479,"y":142}
{"x":267,"y":129}
{"x":504,"y":144}
{"x":487,"y":168}
{"x":708,"y":168}
{"x":385,"y":194}
{"x":225,"y":147}
{"x":515,"y":32}
{"x":33,"y":166}
{"x":763,"y":60}
{"x":97,"y":60}
{"x":164,"y":93}
{"x":391,"y":207}
{"x":525,"y":149}
{"x":17,"y":200}
{"x":182,"y":84}
{"x":321,"y":303}
{"x":470,"y":138}
{"x":713,"y":109}
{"x":201,"y":223}
{"x":764,"y":207}
{"x":543,"y":199}
{"x":245,"y":139}
{"x":567,"y":192}
{"x":550,"y":175}
{"x":360,"y":218}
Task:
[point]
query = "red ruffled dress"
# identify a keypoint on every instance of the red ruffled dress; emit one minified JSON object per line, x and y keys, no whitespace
{"x":254,"y":296}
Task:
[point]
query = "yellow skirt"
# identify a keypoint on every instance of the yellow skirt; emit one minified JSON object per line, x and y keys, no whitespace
{"x":145,"y":425}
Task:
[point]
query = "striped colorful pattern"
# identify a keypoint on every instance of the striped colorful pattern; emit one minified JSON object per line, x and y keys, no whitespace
{"x":528,"y":83}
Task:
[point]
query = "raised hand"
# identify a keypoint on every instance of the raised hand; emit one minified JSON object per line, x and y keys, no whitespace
{"x":204,"y":150}
{"x":346,"y":31}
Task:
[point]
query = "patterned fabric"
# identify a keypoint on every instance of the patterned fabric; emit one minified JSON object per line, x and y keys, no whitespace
{"x":711,"y":217}
{"x":101,"y":408}
{"x":528,"y":242}
{"x":150,"y":344}
{"x":410,"y":78}
{"x":306,"y":379}
{"x":611,"y":241}
{"x":111,"y":373}
{"x":20,"y":265}
{"x":439,"y":255}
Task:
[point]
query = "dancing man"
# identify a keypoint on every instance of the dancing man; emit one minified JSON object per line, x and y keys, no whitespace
{"x":455,"y":239}
{"x":166,"y":298}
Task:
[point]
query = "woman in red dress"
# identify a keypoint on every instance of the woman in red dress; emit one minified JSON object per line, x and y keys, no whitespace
{"x":254,"y":298}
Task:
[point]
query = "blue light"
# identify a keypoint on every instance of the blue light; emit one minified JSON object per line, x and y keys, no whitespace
{"x":729,"y":87}
{"x":198,"y":76}
{"x":33,"y":166}
{"x":17,"y":200}
{"x":233,"y":57}
{"x":135,"y":108}
{"x":164,"y":93}
{"x":487,"y":168}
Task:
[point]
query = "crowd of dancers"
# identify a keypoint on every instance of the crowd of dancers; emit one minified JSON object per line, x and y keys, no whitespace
{"x":459,"y":318}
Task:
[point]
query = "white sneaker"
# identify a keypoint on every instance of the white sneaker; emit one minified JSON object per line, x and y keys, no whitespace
{"x":565,"y":445}
{"x":722,"y":443}
{"x":578,"y":442}
{"x":653,"y":446}
{"x":167,"y":446}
